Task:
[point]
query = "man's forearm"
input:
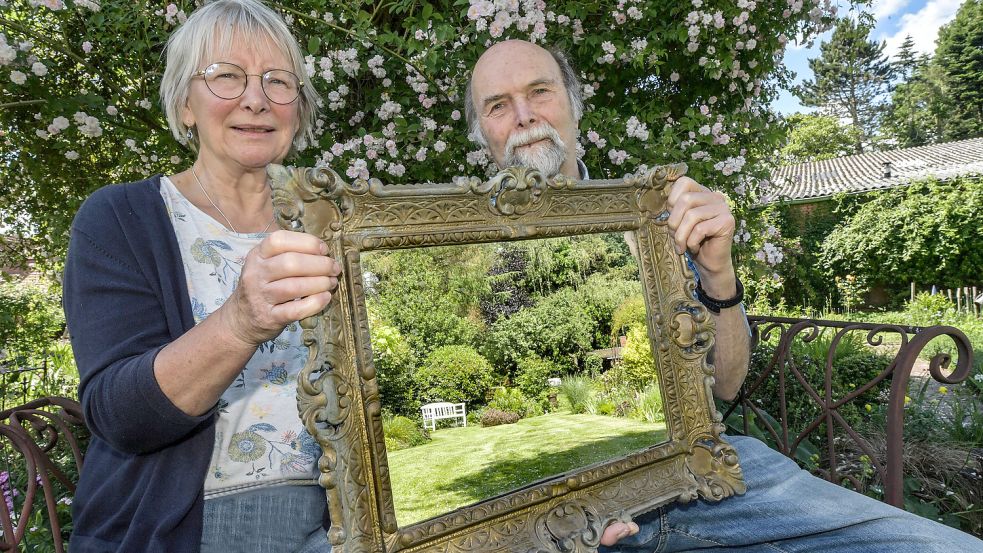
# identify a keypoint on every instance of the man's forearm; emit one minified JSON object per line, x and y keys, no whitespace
{"x":731,"y":352}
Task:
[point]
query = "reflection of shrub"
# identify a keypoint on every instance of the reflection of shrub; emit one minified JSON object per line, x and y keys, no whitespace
{"x":533,"y":408}
{"x":593,"y":364}
{"x":495,"y":417}
{"x":533,"y":376}
{"x":508,"y":399}
{"x":455,"y":374}
{"x":474,"y":416}
{"x":611,"y":397}
{"x":648,"y":406}
{"x":394,"y":364}
{"x":578,"y":391}
{"x":605,"y":407}
{"x":403,"y":432}
{"x":636,"y":359}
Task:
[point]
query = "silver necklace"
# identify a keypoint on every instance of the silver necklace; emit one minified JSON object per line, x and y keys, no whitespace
{"x":217,"y":208}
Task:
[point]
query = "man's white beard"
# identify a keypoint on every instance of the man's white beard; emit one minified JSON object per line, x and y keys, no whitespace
{"x":547,"y":157}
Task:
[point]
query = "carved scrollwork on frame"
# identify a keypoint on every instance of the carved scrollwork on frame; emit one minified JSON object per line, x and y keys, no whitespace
{"x":715,"y":469}
{"x":570,"y":527}
{"x":338,"y":396}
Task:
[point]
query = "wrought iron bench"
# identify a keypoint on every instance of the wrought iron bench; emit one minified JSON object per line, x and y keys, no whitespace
{"x":888,"y":461}
{"x":41,"y":450}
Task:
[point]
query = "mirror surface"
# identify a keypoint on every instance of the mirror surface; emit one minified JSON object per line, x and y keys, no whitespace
{"x":501,"y":365}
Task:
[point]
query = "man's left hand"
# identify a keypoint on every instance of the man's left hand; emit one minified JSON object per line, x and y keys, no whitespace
{"x":703,"y":225}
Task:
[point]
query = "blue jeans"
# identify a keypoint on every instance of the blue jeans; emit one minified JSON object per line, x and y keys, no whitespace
{"x":786,"y":509}
{"x":278,"y":519}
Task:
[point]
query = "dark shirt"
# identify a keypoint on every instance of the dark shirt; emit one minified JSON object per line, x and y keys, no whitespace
{"x":125,"y":295}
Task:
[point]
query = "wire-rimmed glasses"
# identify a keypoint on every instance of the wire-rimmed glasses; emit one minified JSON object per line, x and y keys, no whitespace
{"x":228,"y":81}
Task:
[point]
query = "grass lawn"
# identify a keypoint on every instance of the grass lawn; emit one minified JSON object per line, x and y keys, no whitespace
{"x":465,"y":465}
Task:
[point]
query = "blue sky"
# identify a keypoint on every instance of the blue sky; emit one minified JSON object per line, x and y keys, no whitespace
{"x":895,"y":19}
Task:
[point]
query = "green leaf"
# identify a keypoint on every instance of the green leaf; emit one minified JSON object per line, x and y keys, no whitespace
{"x":313,"y":45}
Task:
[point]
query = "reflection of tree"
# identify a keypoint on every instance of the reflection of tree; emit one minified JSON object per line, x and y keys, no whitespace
{"x":551,"y":298}
{"x":431,"y":294}
{"x":636,"y":360}
{"x":506,"y":297}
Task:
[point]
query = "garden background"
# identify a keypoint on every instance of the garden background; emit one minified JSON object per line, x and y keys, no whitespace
{"x":663,"y":81}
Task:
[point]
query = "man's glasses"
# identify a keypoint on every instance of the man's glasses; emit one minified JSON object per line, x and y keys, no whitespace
{"x":228,"y":81}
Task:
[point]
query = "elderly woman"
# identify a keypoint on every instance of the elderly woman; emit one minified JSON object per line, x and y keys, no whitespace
{"x":182,"y":307}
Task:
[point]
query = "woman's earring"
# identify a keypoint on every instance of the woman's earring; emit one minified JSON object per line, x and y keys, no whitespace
{"x":191,"y":135}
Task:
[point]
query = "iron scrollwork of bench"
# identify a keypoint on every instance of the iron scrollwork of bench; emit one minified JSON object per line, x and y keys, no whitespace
{"x":29,"y":435}
{"x":912,"y":340}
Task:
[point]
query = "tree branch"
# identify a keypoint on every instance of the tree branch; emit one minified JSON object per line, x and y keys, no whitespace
{"x":21,"y":103}
{"x":382,"y":47}
{"x":65,"y":49}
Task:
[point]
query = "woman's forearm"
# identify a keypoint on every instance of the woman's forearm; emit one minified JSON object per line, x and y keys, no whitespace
{"x":194,"y":370}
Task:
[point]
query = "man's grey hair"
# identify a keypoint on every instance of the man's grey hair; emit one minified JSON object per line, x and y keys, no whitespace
{"x":209,"y":31}
{"x":570,"y":82}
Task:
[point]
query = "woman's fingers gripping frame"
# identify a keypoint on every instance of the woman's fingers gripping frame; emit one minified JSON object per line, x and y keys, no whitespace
{"x":300,"y":277}
{"x":283,"y":241}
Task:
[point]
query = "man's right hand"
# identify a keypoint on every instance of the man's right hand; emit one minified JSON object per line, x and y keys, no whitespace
{"x":618,"y":531}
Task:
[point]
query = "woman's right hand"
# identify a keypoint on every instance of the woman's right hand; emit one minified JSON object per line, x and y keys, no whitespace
{"x":287,"y":277}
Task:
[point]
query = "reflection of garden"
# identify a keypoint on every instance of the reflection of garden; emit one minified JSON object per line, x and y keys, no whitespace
{"x":544,"y":341}
{"x":463,"y":465}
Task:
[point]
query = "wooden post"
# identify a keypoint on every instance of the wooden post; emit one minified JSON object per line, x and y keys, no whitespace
{"x":948,"y":293}
{"x":912,"y":291}
{"x":959,"y":300}
{"x":976,"y":306}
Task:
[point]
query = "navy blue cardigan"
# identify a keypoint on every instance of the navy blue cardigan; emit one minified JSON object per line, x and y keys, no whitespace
{"x":125,"y":294}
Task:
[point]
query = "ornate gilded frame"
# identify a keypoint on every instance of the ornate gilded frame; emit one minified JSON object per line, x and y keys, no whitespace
{"x":338,"y":397}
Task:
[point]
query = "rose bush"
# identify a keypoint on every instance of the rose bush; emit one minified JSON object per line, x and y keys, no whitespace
{"x":663,"y":80}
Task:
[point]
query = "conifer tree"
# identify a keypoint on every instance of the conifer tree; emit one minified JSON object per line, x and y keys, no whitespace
{"x":852,"y":78}
{"x":920,"y":112}
{"x":908,"y":59}
{"x":960,"y":56}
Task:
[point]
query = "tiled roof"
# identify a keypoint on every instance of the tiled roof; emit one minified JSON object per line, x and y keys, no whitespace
{"x":865,"y":172}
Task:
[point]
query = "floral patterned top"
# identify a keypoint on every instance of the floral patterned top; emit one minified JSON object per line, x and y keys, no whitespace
{"x":259,"y":438}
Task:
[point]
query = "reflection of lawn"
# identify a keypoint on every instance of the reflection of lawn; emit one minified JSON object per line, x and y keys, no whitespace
{"x":464,"y":465}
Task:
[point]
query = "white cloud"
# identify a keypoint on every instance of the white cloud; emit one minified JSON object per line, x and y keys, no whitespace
{"x":886,"y":8}
{"x":923,"y":26}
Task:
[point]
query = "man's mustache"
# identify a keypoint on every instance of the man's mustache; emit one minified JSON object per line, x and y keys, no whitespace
{"x":535,"y":134}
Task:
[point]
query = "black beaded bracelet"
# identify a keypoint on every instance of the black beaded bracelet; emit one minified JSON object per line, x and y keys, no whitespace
{"x":715,"y":305}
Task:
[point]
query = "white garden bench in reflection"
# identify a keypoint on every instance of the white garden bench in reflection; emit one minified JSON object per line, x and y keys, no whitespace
{"x":432,"y":412}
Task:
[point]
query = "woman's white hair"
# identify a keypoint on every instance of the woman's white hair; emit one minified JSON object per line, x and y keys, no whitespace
{"x":210,"y":31}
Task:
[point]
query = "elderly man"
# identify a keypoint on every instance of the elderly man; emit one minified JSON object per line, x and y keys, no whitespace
{"x":523,"y":103}
{"x":525,"y":106}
